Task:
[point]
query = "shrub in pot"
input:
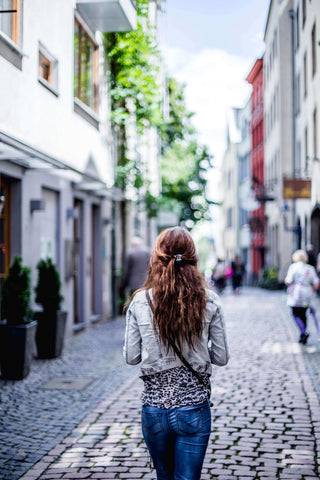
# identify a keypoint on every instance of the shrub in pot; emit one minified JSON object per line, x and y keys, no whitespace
{"x":17,"y":328}
{"x":52,"y":320}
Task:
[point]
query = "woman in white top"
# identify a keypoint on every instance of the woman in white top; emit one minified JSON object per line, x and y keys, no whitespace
{"x":302,"y":282}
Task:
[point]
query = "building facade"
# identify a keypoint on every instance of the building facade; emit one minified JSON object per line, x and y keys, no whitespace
{"x":230,"y":181}
{"x":56,"y":168}
{"x":307,"y":78}
{"x":257,"y":217}
{"x":278,"y":133}
{"x":291,"y":98}
{"x":244,"y":168}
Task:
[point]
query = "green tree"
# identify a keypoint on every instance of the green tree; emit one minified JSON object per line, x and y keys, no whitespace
{"x":184,"y":162}
{"x":133,"y":61}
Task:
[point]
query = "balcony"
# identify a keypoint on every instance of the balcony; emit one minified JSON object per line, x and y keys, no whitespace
{"x":109,"y":15}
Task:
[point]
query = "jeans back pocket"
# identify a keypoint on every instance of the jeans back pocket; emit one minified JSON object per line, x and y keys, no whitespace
{"x":190,"y":422}
{"x":152,"y":422}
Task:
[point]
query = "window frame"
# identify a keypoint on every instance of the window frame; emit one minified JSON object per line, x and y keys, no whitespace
{"x":304,"y":12}
{"x":297,"y":22}
{"x":314,"y":50}
{"x":95,"y":71}
{"x":11,"y":45}
{"x":52,"y":82}
{"x":14,"y":37}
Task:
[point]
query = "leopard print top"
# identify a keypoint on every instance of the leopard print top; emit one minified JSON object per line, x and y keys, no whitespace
{"x":176,"y":387}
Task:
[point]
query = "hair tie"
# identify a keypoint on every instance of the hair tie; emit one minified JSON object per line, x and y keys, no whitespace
{"x":178,"y":257}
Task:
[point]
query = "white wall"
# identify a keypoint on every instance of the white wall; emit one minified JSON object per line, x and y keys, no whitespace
{"x":30,"y":111}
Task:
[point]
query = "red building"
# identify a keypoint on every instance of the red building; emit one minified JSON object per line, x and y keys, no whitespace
{"x":257,"y":219}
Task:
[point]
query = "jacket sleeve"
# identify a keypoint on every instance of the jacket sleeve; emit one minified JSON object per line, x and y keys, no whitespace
{"x":218,"y":345}
{"x":132,"y":344}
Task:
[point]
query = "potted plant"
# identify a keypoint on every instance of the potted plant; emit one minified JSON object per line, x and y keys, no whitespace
{"x":17,"y":328}
{"x":52,"y":320}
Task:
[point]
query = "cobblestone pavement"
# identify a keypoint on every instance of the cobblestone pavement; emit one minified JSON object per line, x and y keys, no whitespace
{"x":33,"y":419}
{"x":265,"y":418}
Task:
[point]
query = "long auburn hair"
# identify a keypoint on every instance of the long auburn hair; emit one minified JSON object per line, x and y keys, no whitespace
{"x":178,"y":288}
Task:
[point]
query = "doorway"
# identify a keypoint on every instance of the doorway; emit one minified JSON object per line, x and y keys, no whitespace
{"x":315,"y":228}
{"x":78,"y":273}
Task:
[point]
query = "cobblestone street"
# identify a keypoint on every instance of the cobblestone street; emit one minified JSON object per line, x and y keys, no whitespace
{"x":265,"y":418}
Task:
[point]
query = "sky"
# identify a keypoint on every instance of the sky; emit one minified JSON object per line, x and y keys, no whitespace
{"x":210,"y":46}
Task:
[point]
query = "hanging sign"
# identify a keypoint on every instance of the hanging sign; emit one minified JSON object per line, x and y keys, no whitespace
{"x":296,"y":188}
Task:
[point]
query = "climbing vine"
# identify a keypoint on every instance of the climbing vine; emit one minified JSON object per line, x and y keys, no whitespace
{"x":133,"y":68}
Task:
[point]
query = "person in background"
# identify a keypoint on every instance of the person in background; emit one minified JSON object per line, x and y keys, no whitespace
{"x":218,"y":275}
{"x":237,"y":273}
{"x":302,"y":282}
{"x":175,"y":330}
{"x":318,"y":264}
{"x":135,"y":266}
{"x":312,"y":260}
{"x":311,"y":255}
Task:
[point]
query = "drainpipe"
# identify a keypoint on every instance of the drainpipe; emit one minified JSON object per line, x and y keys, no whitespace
{"x":293,"y":72}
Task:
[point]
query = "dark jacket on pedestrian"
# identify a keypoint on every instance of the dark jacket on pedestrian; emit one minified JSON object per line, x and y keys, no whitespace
{"x":135,"y":268}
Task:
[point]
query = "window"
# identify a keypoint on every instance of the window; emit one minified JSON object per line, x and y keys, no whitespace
{"x":297,"y":28}
{"x":306,"y":145}
{"x":305,"y":75}
{"x":85,"y":67}
{"x":304,"y":12}
{"x":315,"y":139}
{"x":244,"y":217}
{"x":244,"y":167}
{"x":229,"y":217}
{"x":298,"y":95}
{"x":8,"y":19}
{"x":275,"y":43}
{"x":229,"y":180}
{"x":298,"y":159}
{"x":314,"y":50}
{"x":48,"y":70}
{"x":44,"y":67}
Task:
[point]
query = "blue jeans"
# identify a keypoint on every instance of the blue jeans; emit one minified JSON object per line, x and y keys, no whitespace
{"x":177,"y":439}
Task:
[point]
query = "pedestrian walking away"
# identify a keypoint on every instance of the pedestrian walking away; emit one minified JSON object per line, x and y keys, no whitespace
{"x":237,"y":267}
{"x":135,"y":266}
{"x":312,"y":260}
{"x":219,"y":276}
{"x":175,"y":330}
{"x":302,"y":282}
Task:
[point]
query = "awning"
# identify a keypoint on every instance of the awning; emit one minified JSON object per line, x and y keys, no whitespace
{"x":31,"y":158}
{"x":109,"y":15}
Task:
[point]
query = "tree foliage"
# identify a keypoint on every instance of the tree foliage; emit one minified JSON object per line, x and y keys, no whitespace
{"x":184,"y":163}
{"x":133,"y":69}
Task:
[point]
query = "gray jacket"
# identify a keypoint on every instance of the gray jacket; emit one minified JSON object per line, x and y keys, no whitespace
{"x":142,"y":345}
{"x":135,"y":268}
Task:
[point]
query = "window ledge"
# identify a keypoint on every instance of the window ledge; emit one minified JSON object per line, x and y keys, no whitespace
{"x":10,"y":51}
{"x":48,"y":86}
{"x":85,"y":112}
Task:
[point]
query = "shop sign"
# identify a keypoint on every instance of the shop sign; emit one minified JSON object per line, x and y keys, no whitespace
{"x":296,"y":188}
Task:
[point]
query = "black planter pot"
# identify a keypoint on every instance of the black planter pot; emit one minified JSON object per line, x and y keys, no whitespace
{"x":50,"y":333}
{"x":16,"y":350}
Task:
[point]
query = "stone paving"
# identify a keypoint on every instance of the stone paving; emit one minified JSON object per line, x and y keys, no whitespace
{"x":33,"y":420}
{"x":265,"y":418}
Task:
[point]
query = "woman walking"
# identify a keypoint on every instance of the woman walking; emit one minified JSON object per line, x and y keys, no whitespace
{"x":175,"y":329}
{"x":302,"y":282}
